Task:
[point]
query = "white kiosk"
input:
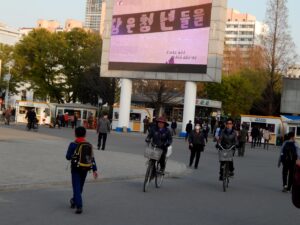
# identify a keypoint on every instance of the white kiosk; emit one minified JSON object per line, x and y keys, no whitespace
{"x":136,"y":117}
{"x":42,"y":110}
{"x":273,"y":123}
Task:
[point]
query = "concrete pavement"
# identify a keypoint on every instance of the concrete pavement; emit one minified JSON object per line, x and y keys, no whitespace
{"x":31,"y":159}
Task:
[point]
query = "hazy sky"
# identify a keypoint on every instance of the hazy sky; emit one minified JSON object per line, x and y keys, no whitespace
{"x":25,"y":13}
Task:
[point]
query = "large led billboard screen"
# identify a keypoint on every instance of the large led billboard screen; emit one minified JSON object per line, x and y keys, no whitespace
{"x":163,"y":36}
{"x":164,"y":39}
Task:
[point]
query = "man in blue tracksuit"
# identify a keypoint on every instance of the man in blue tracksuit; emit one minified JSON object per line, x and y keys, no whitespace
{"x":78,"y":174}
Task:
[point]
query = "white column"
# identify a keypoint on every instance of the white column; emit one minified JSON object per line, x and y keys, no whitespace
{"x":125,"y":103}
{"x":189,"y":105}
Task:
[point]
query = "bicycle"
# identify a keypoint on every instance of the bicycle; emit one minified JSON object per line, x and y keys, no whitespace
{"x":154,"y":170}
{"x":226,"y":156}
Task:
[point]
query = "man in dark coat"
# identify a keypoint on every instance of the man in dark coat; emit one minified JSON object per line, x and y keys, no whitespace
{"x":188,"y":129}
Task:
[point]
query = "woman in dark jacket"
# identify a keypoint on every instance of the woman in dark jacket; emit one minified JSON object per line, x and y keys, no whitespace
{"x":196,"y":145}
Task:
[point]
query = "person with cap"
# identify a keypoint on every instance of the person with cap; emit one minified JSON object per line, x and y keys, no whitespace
{"x":161,"y":137}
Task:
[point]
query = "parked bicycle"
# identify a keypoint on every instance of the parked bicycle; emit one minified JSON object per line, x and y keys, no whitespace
{"x":226,"y":156}
{"x":154,"y":170}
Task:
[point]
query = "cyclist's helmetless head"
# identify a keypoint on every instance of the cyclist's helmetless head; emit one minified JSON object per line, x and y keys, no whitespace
{"x":229,"y":123}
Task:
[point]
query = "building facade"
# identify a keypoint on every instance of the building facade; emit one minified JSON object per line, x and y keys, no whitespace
{"x":93,"y":14}
{"x":290,"y":97}
{"x":242,"y":35}
{"x":293,"y":71}
{"x":8,"y":36}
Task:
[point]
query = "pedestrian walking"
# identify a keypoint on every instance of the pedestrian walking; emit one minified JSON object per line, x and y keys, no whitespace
{"x":205,"y":131}
{"x":254,"y":136}
{"x":91,"y":121}
{"x":146,"y":124}
{"x":103,"y":127}
{"x":288,"y":157}
{"x":196,"y":145}
{"x":267,"y":138}
{"x":82,"y":159}
{"x":173,"y":127}
{"x":188,"y":129}
{"x":57,"y":121}
{"x":66,"y":119}
{"x":243,"y":138}
{"x":7,"y":116}
{"x":62,"y":120}
{"x":74,"y":125}
{"x":260,"y":136}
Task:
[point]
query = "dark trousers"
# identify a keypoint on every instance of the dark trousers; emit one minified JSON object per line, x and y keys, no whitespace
{"x":196,"y":151}
{"x":288,"y":174}
{"x":187,"y":135}
{"x":57,"y":123}
{"x":254,"y":142}
{"x":173,"y":131}
{"x":100,"y":136}
{"x":145,"y":128}
{"x":241,"y":149}
{"x":231,"y":167}
{"x":162,"y":160}
{"x":78,"y":179}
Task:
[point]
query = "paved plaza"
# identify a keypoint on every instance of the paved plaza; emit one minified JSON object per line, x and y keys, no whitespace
{"x":35,"y":184}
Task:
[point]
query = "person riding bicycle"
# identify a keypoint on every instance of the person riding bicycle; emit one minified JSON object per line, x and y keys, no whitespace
{"x":160,"y":136}
{"x":228,"y":139}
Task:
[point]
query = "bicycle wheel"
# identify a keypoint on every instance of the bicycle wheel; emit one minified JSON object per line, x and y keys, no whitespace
{"x":148,"y":175}
{"x":225,"y":176}
{"x":159,"y":177}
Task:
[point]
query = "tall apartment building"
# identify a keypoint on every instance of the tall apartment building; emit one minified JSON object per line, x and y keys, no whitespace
{"x":8,"y":36}
{"x":242,"y":35}
{"x":93,"y":14}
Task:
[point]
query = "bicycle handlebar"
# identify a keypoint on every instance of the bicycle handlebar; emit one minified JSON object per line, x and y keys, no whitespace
{"x":231,"y":148}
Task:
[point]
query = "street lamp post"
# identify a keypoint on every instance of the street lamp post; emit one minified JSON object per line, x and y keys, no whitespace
{"x":100,"y":101}
{"x":7,"y":78}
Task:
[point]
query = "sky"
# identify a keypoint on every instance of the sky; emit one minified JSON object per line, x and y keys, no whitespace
{"x":25,"y":13}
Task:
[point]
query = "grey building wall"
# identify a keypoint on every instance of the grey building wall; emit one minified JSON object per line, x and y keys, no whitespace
{"x":290,"y":99}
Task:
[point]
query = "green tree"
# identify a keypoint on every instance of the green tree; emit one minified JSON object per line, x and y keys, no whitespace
{"x":37,"y":61}
{"x":237,"y":92}
{"x":7,"y":66}
{"x":81,"y":59}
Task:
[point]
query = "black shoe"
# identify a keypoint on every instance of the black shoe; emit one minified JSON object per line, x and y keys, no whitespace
{"x":98,"y":147}
{"x":78,"y":210}
{"x":220,"y":178}
{"x":102,"y":149}
{"x":196,"y":167}
{"x":72,"y":203}
{"x":231,"y":174}
{"x":285,"y":189}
